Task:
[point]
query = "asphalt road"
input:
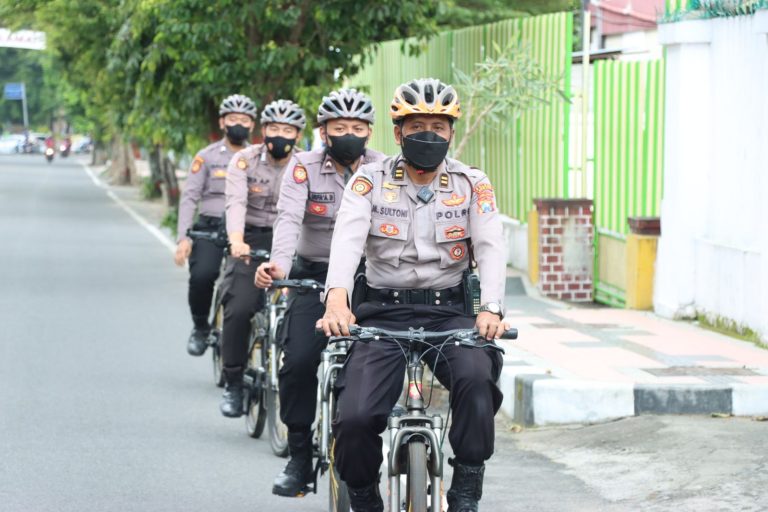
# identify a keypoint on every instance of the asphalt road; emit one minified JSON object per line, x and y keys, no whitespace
{"x":102,"y":409}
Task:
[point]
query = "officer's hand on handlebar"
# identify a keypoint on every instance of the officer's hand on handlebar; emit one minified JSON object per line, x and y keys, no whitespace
{"x":266,"y":273}
{"x":182,"y":252}
{"x":490,"y":325}
{"x":337,"y":317}
{"x":240,"y":250}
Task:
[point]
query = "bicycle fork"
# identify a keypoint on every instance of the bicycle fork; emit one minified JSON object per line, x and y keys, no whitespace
{"x":415,"y":424}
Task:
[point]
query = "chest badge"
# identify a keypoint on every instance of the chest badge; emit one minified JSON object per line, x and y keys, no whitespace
{"x":197,"y":163}
{"x":318,"y":208}
{"x":455,"y":232}
{"x":391,"y":196}
{"x":242,"y":164}
{"x":220,"y":173}
{"x":255,"y":189}
{"x":389,"y":229}
{"x":299,"y":174}
{"x":457,"y":252}
{"x":454,"y":200}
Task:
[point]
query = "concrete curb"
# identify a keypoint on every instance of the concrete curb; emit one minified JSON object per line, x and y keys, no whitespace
{"x":536,"y":399}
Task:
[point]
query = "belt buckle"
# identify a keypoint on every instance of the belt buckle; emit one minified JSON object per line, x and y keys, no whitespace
{"x":417,"y":296}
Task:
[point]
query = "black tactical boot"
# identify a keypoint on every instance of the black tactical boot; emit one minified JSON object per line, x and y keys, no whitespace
{"x":298,"y":472}
{"x":198,"y":340}
{"x":234,"y":393}
{"x":466,"y":487}
{"x":366,"y":499}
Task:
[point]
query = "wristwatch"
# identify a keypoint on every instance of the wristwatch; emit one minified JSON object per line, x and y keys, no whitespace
{"x":492,"y":307}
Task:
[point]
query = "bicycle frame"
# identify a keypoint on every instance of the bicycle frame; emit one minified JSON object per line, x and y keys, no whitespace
{"x":332,"y":360}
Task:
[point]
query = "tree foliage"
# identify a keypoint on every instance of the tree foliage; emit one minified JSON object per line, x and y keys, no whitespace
{"x":463,"y":13}
{"x":503,"y":86}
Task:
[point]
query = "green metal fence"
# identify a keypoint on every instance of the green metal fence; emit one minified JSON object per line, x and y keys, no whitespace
{"x":629,"y":152}
{"x":629,"y":143}
{"x":525,"y":158}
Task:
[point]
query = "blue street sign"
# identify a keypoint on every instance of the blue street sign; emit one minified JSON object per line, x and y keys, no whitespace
{"x":13,"y":91}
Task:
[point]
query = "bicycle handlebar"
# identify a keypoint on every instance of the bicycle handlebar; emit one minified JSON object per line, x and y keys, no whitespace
{"x":220,"y":239}
{"x":466,"y":337}
{"x":301,"y":284}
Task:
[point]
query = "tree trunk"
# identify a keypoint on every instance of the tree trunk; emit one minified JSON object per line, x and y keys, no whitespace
{"x":155,"y":171}
{"x":170,"y":181}
{"x":122,"y":170}
{"x":98,"y":154}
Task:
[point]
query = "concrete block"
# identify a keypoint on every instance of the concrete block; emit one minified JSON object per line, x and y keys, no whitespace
{"x":682,"y":399}
{"x":507,"y":385}
{"x":580,"y":401}
{"x":750,"y":399}
{"x":524,"y":389}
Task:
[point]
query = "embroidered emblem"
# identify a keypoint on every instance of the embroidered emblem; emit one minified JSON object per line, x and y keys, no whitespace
{"x":389,"y":229}
{"x":318,"y":208}
{"x":455,"y":232}
{"x":362,"y":185}
{"x":255,"y":189}
{"x":299,"y":173}
{"x":454,"y":200}
{"x":485,"y":198}
{"x":399,"y":174}
{"x":443,"y":180}
{"x":457,"y":252}
{"x":197,"y":163}
{"x":220,"y":173}
{"x":392,"y":196}
{"x":242,"y":164}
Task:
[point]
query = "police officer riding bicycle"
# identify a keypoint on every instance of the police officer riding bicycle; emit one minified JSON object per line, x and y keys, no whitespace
{"x":205,"y":189}
{"x":309,"y":201}
{"x":419,"y":216}
{"x":253,"y":185}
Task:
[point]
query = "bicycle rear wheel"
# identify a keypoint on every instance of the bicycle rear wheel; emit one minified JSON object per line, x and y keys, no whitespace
{"x":416,"y":483}
{"x":216,"y":333}
{"x":338,"y":495}
{"x":278,"y":432}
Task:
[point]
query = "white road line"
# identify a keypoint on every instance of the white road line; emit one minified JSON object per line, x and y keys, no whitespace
{"x":161,"y":237}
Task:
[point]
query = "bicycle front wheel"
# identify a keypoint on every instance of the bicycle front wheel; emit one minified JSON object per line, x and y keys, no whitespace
{"x":218,"y":364}
{"x":338,"y":495}
{"x":416,"y":483}
{"x":256,"y":413}
{"x":278,"y":432}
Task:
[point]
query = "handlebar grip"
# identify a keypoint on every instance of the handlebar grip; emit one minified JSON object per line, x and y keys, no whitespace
{"x":511,"y":334}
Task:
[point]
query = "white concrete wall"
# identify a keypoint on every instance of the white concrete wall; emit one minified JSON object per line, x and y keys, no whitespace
{"x":713,"y":251}
{"x":516,"y":235}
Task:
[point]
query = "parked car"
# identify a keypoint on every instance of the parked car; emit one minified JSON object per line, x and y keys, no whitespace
{"x":11,"y":143}
{"x":82,"y":145}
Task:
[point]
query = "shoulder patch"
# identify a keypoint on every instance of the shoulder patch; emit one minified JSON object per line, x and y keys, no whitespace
{"x":299,"y":173}
{"x":197,"y":163}
{"x":242,"y":164}
{"x":486,"y":201}
{"x":362,"y":185}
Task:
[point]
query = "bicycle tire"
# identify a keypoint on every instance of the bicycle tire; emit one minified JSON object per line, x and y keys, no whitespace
{"x":278,"y":432}
{"x":218,"y":363}
{"x":256,"y":410}
{"x":416,"y":481}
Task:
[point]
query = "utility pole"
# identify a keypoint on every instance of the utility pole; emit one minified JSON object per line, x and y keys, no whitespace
{"x":24,"y":106}
{"x":585,"y":95}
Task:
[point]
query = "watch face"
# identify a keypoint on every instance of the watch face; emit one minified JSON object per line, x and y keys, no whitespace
{"x":492,"y":307}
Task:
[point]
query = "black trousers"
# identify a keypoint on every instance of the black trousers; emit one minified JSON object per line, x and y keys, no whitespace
{"x":372,"y":379}
{"x":301,"y":349}
{"x":241,"y":301}
{"x":204,"y":265}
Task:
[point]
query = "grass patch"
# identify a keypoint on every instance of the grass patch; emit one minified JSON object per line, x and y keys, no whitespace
{"x":730,"y":328}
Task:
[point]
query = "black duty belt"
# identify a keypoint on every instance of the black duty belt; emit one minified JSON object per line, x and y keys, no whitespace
{"x":445,"y":297}
{"x":249,"y":228}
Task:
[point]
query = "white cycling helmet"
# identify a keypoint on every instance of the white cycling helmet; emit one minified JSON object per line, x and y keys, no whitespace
{"x":284,"y":111}
{"x":238,"y":104}
{"x":347,"y":104}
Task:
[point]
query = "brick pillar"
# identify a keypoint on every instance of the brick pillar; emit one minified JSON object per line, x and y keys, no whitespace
{"x":565,"y":248}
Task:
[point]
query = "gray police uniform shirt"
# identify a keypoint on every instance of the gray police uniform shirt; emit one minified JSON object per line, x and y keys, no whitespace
{"x":310,"y":197}
{"x":410,"y":244}
{"x":252,"y":189}
{"x":204,"y":186}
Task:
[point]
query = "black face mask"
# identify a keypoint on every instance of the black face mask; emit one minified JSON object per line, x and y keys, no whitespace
{"x":424,"y":150}
{"x":236,"y":134}
{"x":346,"y":148}
{"x":279,"y":147}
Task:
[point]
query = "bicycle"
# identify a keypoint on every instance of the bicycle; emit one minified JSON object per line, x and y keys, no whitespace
{"x":264,"y":364}
{"x":219,"y":238}
{"x":416,"y":439}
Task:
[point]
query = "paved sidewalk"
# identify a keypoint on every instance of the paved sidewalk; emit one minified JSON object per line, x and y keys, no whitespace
{"x":592,"y":363}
